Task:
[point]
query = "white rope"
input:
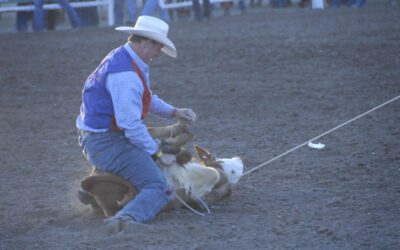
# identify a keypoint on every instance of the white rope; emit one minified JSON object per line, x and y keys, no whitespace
{"x":192,"y":209}
{"x":319,"y":136}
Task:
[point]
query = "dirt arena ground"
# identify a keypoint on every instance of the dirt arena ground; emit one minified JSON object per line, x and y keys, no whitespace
{"x":261,"y":84}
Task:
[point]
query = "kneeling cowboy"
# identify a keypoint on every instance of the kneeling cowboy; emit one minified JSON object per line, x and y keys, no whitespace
{"x":116,"y":99}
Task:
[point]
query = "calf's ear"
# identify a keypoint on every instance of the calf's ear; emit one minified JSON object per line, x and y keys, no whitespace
{"x":203,"y":154}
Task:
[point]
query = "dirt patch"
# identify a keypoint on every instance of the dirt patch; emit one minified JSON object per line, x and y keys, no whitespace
{"x":261,"y":84}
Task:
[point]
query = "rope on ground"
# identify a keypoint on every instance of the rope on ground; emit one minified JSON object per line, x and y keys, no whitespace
{"x":192,"y":209}
{"x":319,"y":136}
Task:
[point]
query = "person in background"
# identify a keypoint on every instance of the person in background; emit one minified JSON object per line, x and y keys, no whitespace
{"x":23,"y":18}
{"x":280,"y":3}
{"x":226,"y":6}
{"x":150,"y":6}
{"x":117,"y":97}
{"x":130,"y":6}
{"x":357,"y":3}
{"x":255,"y":3}
{"x":304,"y":3}
{"x":201,"y":12}
{"x":351,"y":3}
{"x":89,"y":15}
{"x":38,"y":15}
{"x":336,"y":3}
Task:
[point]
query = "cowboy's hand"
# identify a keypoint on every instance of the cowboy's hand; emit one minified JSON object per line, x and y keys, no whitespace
{"x":167,"y":147}
{"x":185,"y":114}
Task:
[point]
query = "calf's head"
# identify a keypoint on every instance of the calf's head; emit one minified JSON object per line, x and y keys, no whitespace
{"x":232,"y":167}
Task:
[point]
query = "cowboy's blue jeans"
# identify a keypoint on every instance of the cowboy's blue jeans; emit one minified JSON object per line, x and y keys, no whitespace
{"x":38,"y":15}
{"x":112,"y":152}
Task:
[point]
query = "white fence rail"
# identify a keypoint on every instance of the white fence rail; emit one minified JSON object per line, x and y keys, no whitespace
{"x":6,"y":6}
{"x":183,"y":4}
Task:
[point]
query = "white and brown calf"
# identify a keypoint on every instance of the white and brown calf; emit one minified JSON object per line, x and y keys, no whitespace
{"x":190,"y":178}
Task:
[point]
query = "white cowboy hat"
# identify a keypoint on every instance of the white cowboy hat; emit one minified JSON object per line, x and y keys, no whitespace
{"x":154,"y":29}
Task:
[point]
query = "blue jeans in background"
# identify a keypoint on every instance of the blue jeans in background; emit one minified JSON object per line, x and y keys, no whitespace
{"x":199,"y":12}
{"x":119,"y":11}
{"x":88,"y":16}
{"x":112,"y":152}
{"x":38,"y":15}
{"x":280,"y":3}
{"x":336,"y":3}
{"x":357,"y":3}
{"x":22,"y":20}
{"x":242,"y":5}
{"x":354,"y":3}
{"x":149,"y":8}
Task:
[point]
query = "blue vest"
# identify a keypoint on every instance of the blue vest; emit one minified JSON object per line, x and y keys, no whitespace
{"x":97,"y":110}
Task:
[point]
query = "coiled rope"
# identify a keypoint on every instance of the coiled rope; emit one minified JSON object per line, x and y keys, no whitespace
{"x":192,"y":209}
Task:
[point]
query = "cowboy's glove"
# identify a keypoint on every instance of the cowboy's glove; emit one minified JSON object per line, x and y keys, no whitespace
{"x":185,"y":114}
{"x":164,"y":159}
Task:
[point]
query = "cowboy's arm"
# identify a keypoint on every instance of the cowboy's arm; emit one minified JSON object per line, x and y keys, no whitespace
{"x":126,"y":95}
{"x":163,"y":109}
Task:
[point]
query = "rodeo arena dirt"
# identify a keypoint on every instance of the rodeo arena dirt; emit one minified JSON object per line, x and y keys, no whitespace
{"x":262,"y":83}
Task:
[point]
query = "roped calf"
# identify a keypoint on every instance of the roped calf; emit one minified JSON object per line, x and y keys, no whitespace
{"x":190,"y":178}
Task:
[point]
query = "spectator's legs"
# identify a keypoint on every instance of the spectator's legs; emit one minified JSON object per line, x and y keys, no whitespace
{"x":360,"y":3}
{"x":22,"y":21}
{"x":72,"y":14}
{"x":284,"y":3}
{"x":351,"y":2}
{"x":149,"y":7}
{"x":118,"y":11}
{"x":38,"y":16}
{"x":88,"y":16}
{"x":336,"y":3}
{"x":197,"y":10}
{"x":242,"y":6}
{"x":51,"y":16}
{"x":207,"y":8}
{"x":131,"y":8}
{"x":164,"y":14}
